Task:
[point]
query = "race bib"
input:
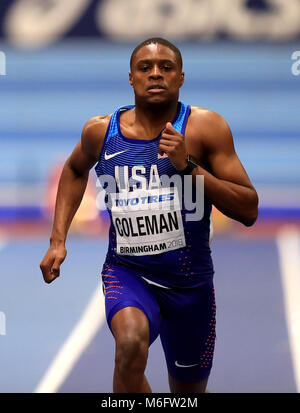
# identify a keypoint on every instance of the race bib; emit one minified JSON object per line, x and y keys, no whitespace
{"x":147,"y":222}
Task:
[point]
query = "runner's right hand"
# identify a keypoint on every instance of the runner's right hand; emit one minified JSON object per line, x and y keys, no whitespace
{"x":51,"y":262}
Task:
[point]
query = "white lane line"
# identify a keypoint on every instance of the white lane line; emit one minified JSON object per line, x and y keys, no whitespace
{"x":82,"y":334}
{"x":288,"y":242}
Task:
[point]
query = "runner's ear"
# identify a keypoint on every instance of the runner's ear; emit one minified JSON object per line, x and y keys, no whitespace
{"x":130,"y":78}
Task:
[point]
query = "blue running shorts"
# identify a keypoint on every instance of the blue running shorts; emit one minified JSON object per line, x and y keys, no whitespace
{"x":184,"y":318}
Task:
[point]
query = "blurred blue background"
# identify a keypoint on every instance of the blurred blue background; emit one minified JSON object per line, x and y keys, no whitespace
{"x":63,"y":62}
{"x":50,"y":90}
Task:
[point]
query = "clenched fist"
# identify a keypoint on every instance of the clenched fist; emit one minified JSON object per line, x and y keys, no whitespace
{"x":172,"y":143}
{"x":51,"y":262}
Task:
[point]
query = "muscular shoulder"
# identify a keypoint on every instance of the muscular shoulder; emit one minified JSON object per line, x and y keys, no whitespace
{"x":93,"y":134}
{"x":208,"y":121}
{"x":209,"y":128}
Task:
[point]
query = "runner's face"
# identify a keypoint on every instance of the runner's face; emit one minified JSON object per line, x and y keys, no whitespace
{"x":156,"y":74}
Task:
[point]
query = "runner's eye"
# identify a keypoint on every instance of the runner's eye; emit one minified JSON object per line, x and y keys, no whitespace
{"x":144,"y":68}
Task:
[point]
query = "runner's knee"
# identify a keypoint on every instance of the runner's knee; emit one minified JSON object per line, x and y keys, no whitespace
{"x":131,"y":351}
{"x":132,"y":341}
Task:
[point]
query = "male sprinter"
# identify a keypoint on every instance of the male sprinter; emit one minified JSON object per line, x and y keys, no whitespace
{"x":158,"y":272}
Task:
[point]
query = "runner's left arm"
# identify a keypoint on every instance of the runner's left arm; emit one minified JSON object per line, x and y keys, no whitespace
{"x":226,"y":183}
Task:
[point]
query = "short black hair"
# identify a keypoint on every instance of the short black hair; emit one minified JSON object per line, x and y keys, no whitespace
{"x":158,"y":40}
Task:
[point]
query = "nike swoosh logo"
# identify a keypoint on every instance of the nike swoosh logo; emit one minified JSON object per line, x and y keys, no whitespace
{"x":107,"y":157}
{"x":184,"y":365}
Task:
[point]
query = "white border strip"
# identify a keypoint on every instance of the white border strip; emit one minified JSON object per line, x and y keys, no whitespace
{"x":83,"y":333}
{"x":288,"y":241}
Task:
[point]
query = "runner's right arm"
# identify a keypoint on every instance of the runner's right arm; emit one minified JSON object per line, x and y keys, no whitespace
{"x":71,"y":188}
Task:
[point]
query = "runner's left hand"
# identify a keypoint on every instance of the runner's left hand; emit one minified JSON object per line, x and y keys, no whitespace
{"x":172,"y":143}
